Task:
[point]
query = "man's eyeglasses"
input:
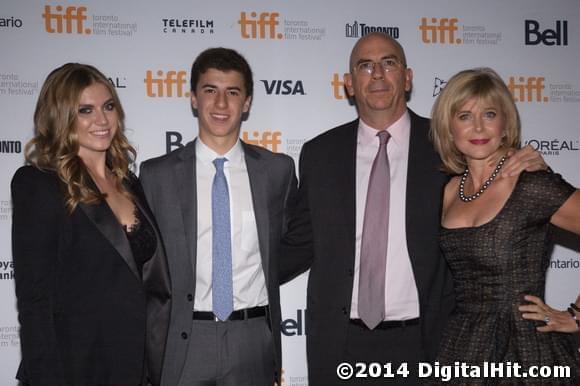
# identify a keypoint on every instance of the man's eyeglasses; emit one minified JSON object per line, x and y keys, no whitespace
{"x":387,"y":64}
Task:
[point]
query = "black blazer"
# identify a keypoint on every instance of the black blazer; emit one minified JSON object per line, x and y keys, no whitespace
{"x":321,"y":237}
{"x":86,"y":315}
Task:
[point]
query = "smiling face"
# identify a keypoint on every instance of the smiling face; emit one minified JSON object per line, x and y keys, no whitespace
{"x":380,"y":95}
{"x":220,"y":100}
{"x":477,"y":128}
{"x":97,"y":121}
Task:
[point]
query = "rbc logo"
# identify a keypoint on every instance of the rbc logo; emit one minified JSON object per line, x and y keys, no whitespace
{"x":283,"y":87}
{"x":63,"y":20}
{"x":549,"y":37}
{"x":439,"y":31}
{"x":254,"y":26}
{"x":527,"y":89}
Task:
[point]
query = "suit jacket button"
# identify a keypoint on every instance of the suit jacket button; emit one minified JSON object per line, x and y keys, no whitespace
{"x":184,"y":335}
{"x":344,"y":310}
{"x":189,"y":297}
{"x":350,"y":272}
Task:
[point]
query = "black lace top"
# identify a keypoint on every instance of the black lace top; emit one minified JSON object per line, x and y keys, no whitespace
{"x":142,"y":239}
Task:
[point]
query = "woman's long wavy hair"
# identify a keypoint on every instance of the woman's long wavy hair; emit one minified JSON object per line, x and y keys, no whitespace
{"x":55,"y":145}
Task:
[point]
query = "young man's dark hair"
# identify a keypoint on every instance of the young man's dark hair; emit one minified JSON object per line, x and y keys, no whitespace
{"x":222,"y":59}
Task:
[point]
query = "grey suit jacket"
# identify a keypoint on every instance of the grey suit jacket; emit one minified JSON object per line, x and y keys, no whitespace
{"x":169,"y":183}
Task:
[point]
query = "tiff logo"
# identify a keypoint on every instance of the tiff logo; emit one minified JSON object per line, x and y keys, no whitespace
{"x":262,"y":26}
{"x":266,"y":139}
{"x":549,"y":37}
{"x":439,"y":31}
{"x":64,"y":19}
{"x":527,"y":89}
{"x":338,"y":87}
{"x":168,"y":84}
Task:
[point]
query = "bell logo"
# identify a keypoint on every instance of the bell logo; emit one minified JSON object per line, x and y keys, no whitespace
{"x":294,"y":327}
{"x":550,"y":37}
{"x":283,"y":87}
{"x":262,"y":26}
{"x":527,"y":89}
{"x":440,"y":31}
{"x":338,"y":87}
{"x":168,"y":84}
{"x":62,"y":19}
{"x":266,"y":139}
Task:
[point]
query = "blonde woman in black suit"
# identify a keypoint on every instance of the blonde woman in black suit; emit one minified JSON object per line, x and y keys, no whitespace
{"x":92,"y":284}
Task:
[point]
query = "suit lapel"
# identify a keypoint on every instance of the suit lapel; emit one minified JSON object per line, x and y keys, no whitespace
{"x":104,"y":219}
{"x":346,"y":176}
{"x":258,"y":175}
{"x":185,"y":178}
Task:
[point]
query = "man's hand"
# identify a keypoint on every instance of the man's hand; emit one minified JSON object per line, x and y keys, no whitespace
{"x":524,"y":159}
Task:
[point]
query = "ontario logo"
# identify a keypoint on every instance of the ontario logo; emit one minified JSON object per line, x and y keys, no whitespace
{"x":10,"y":22}
{"x":73,"y":19}
{"x":438,"y":86}
{"x":449,"y":30}
{"x":272,"y":25}
{"x":356,"y":30}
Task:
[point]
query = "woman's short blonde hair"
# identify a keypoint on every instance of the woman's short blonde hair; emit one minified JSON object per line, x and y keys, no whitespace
{"x":479,"y":83}
{"x":55,"y":143}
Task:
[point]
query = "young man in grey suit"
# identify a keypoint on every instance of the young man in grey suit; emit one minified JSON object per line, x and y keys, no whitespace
{"x":221,"y":207}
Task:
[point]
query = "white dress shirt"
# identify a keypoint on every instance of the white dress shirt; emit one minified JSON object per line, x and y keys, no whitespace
{"x":249,"y":282}
{"x":401,"y":295}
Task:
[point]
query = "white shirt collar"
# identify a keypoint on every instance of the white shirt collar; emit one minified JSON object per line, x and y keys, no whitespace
{"x":205,"y":154}
{"x":399,"y":131}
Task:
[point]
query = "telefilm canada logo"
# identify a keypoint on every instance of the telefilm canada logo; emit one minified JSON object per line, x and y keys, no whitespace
{"x":359,"y":29}
{"x":271,"y":25}
{"x":185,"y":26}
{"x":80,"y":20}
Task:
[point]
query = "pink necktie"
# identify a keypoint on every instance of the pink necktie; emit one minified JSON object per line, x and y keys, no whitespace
{"x":373,"y":257}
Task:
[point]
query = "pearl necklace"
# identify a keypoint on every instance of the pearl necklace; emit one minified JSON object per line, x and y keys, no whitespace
{"x":485,"y":185}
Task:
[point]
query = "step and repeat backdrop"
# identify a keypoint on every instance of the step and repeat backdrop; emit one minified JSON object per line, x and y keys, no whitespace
{"x":298,"y":51}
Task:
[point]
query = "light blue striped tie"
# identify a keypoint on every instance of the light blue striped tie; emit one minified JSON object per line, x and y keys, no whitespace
{"x":222,"y":290}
